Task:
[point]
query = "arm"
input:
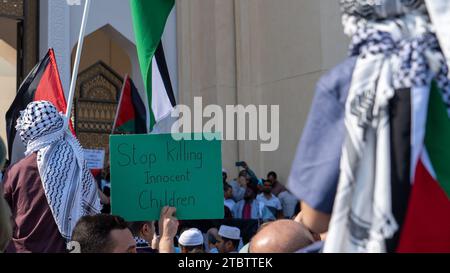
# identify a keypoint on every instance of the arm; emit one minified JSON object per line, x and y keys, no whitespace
{"x":252,"y":175}
{"x":170,"y":228}
{"x":314,"y":220}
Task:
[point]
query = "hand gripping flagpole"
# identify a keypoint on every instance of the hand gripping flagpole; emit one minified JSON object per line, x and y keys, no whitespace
{"x":77,"y":60}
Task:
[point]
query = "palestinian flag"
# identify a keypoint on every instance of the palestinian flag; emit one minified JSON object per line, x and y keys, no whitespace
{"x":43,"y":83}
{"x":149,"y":21}
{"x":130,"y":115}
{"x":427,"y":224}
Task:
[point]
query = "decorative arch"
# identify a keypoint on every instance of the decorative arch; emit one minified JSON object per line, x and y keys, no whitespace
{"x":95,"y":103}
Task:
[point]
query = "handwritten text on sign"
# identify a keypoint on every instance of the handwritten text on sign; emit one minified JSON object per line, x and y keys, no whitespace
{"x":149,"y":172}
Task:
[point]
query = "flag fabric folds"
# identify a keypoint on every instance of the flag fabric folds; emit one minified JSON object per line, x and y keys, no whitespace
{"x":130,"y":116}
{"x":427,"y":223}
{"x":149,"y":21}
{"x":42,"y":83}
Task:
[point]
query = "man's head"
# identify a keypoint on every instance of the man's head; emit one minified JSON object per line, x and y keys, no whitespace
{"x":191,"y":241}
{"x":250,"y":193}
{"x":283,"y":236}
{"x":272,"y":177}
{"x":243,"y":173}
{"x":243,"y":178}
{"x":267,"y":186}
{"x":143,"y":230}
{"x":103,"y":234}
{"x":227,"y":191}
{"x":39,"y":119}
{"x":229,"y":238}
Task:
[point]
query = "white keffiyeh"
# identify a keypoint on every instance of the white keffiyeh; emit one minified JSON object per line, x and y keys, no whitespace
{"x":68,"y":185}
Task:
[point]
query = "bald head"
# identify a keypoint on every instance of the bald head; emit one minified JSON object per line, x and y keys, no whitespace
{"x":283,"y":236}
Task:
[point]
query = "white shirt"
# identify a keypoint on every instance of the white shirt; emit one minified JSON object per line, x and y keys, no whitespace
{"x":273,"y":202}
{"x":230,"y":204}
{"x":288,"y":202}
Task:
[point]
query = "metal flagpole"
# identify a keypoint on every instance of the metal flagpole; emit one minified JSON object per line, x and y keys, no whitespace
{"x":77,"y":60}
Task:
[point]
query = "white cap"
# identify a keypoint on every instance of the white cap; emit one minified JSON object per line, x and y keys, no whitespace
{"x":224,"y":170}
{"x":191,"y":237}
{"x":228,"y":232}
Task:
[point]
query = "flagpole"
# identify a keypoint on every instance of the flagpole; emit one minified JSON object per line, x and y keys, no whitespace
{"x":77,"y":60}
{"x":119,"y":104}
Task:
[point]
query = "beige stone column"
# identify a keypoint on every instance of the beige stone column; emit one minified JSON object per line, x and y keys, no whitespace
{"x":207,"y":60}
{"x":269,"y":52}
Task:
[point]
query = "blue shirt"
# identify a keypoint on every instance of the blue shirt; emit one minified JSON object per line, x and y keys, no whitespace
{"x":315,"y":171}
{"x":316,"y":247}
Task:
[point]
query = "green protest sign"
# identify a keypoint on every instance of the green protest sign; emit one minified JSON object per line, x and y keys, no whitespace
{"x":149,"y":172}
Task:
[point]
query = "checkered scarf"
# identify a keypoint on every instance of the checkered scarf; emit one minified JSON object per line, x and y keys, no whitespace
{"x":357,"y":13}
{"x":68,"y":185}
{"x":416,"y":56}
{"x":380,"y":9}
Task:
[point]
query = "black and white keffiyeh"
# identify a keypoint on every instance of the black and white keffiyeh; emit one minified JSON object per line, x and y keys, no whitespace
{"x":359,"y":12}
{"x":417,"y":54}
{"x":68,"y":185}
{"x":380,"y":9}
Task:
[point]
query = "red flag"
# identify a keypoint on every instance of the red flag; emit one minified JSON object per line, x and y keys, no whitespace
{"x":43,"y":83}
{"x":131,"y":115}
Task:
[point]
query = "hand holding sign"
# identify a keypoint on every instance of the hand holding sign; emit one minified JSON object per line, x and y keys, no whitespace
{"x":169,"y":222}
{"x":169,"y":230}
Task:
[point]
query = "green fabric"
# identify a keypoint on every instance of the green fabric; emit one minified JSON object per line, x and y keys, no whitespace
{"x":437,"y":138}
{"x":128,"y":127}
{"x":149,"y":21}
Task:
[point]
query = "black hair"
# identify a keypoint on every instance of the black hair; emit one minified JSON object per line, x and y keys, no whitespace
{"x":272,"y":173}
{"x":243,"y":173}
{"x":93,"y":232}
{"x":136,"y":227}
{"x":226,"y":187}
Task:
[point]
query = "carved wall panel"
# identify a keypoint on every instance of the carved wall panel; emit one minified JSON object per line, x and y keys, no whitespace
{"x":96,"y":97}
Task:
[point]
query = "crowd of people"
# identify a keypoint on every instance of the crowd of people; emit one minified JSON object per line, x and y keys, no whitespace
{"x":249,"y":197}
